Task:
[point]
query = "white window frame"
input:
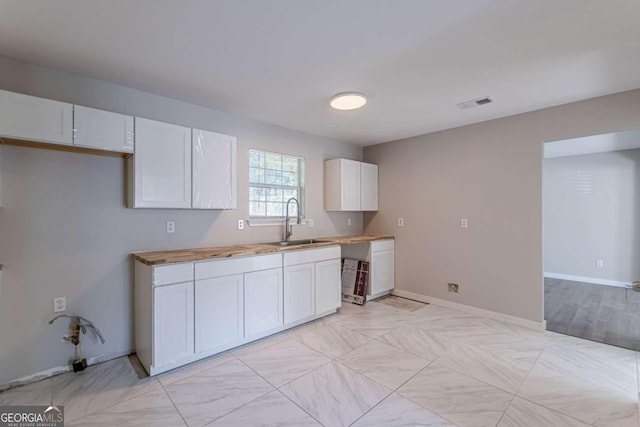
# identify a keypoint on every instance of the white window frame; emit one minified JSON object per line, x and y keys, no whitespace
{"x":276,"y":220}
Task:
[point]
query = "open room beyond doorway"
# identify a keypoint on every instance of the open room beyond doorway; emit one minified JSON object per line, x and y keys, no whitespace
{"x":591,"y":235}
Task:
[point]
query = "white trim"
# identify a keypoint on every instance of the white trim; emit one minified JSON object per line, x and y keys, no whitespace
{"x":593,"y":280}
{"x":47,"y":373}
{"x":266,"y":222}
{"x":526,"y":323}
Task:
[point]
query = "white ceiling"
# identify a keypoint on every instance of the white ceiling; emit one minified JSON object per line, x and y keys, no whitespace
{"x":280,"y":61}
{"x":617,"y":141}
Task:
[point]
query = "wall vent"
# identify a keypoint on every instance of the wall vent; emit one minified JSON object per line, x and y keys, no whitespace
{"x":475,"y":103}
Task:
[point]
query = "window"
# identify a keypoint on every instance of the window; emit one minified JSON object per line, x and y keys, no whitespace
{"x":273,"y":180}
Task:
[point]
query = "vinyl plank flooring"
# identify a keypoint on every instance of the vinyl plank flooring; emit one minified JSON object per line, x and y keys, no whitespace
{"x":599,"y":313}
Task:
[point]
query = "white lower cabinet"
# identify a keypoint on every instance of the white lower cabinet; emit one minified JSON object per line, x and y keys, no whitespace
{"x":328,"y":286}
{"x":382,"y":267}
{"x":299,"y":292}
{"x":188,"y":311}
{"x":311,"y":283}
{"x":173,"y":323}
{"x":262,"y":301}
{"x":219,"y":312}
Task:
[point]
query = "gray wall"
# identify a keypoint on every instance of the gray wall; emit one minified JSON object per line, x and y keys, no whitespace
{"x":491,"y":173}
{"x":65,"y":231}
{"x":591,"y":211}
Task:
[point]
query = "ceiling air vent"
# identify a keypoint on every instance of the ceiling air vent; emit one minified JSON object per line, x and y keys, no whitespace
{"x":475,"y":103}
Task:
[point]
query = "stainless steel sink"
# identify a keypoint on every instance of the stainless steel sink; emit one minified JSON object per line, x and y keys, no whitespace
{"x":295,"y":242}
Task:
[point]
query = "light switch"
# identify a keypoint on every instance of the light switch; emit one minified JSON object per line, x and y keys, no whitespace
{"x":464,"y":223}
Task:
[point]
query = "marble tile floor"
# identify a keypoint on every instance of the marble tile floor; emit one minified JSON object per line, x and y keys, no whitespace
{"x":384,"y":364}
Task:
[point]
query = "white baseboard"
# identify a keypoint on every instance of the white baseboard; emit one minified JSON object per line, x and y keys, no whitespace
{"x":593,"y":280}
{"x":61,"y":370}
{"x":526,"y":323}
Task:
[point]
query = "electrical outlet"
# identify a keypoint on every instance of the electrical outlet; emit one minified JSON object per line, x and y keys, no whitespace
{"x":400,"y":222}
{"x":600,"y":263}
{"x":240,"y":224}
{"x":310,"y":223}
{"x":348,"y":222}
{"x":454,"y":287}
{"x":464,"y":222}
{"x":59,"y":304}
{"x":171,"y":226}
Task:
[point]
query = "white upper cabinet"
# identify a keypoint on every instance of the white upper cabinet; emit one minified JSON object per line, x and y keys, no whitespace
{"x":35,"y":119}
{"x":214,"y":170}
{"x":350,"y":185}
{"x":102,"y":130}
{"x":161,"y":165}
{"x":368,"y":187}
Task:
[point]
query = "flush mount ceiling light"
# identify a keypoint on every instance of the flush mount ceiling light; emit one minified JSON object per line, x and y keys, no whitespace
{"x":348,"y":101}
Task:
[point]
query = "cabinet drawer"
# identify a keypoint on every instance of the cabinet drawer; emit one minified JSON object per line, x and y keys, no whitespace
{"x":382,"y":245}
{"x":174,"y":273}
{"x":311,"y":255}
{"x":229,"y":266}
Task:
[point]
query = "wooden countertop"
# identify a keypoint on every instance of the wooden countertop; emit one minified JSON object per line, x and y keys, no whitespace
{"x":201,"y":254}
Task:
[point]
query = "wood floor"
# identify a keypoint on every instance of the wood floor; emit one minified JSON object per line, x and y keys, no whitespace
{"x":599,"y":313}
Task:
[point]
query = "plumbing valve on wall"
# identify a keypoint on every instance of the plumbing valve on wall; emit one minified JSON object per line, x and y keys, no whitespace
{"x":78,"y":324}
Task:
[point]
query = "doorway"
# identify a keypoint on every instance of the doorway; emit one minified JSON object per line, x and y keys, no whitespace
{"x":591,"y":237}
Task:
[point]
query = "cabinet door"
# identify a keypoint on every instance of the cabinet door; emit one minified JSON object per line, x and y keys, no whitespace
{"x":382,"y":271}
{"x":35,"y":119}
{"x":328,"y":291}
{"x":219,"y":305}
{"x":214,"y":170}
{"x":299,"y":292}
{"x":369,"y":186}
{"x":162,"y":165}
{"x":350,"y":182}
{"x":102,"y":130}
{"x":262,"y":301}
{"x":172,"y":323}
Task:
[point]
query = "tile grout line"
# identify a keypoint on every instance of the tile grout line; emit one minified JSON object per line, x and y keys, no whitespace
{"x":387,"y":396}
{"x":92,"y":381}
{"x":174,"y":404}
{"x":395,"y":391}
{"x":411,"y":400}
{"x":301,"y":408}
{"x":233,"y":410}
{"x":279,"y":391}
{"x":538,"y":404}
{"x":533,"y":365}
{"x":114,"y":404}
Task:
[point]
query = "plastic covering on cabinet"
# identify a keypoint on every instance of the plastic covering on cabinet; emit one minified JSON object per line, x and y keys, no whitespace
{"x":214,"y":174}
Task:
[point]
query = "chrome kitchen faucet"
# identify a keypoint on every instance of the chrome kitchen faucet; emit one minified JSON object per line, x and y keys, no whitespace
{"x":288,"y":229}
